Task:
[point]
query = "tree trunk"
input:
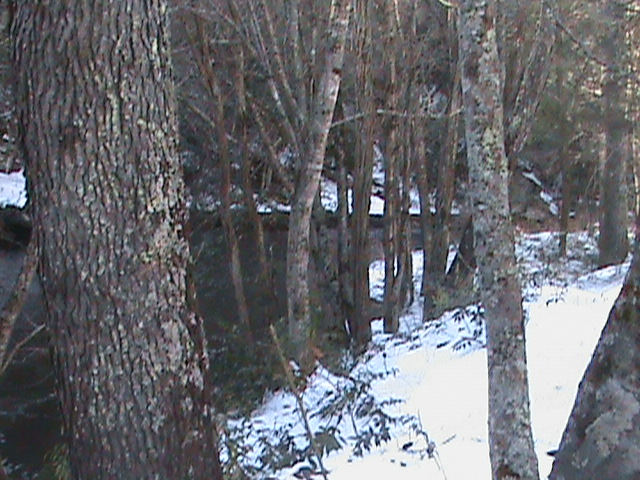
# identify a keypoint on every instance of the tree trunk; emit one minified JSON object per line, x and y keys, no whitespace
{"x":613,"y":241}
{"x":308,"y":181}
{"x":99,"y":136}
{"x":602,"y":438}
{"x":392,"y":188}
{"x":463,"y":267}
{"x":564,"y":155}
{"x":363,"y":178}
{"x":10,"y":155}
{"x":510,"y":440}
{"x":345,"y":275}
{"x":426,"y":217}
{"x":266,"y":277}
{"x":227,"y":220}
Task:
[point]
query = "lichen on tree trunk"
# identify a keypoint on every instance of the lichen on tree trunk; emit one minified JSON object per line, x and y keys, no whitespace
{"x":510,"y":440}
{"x":99,"y":133}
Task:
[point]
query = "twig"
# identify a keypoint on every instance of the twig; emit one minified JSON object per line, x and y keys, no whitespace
{"x":12,"y":308}
{"x":303,"y":412}
{"x":7,"y":361}
{"x":392,"y":113}
{"x":431,"y":447}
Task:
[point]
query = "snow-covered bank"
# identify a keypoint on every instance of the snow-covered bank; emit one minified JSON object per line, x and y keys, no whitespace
{"x":415,"y":405}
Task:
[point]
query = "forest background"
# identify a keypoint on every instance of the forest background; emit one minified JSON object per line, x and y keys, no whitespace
{"x":275,"y":97}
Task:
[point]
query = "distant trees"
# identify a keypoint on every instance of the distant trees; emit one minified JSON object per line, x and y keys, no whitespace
{"x":510,"y":438}
{"x":99,"y":134}
{"x":289,"y":91}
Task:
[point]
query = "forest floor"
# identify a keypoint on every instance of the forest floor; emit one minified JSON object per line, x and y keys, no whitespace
{"x":415,"y":404}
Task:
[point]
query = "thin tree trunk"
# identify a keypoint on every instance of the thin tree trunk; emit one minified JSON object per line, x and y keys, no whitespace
{"x":392,"y":200}
{"x":250,"y":203}
{"x":227,"y":220}
{"x":13,"y":306}
{"x":444,"y":195}
{"x":266,"y":279}
{"x":363,"y":178}
{"x":10,"y":156}
{"x":426,"y":217}
{"x":204,"y":54}
{"x":438,"y":222}
{"x":310,"y":170}
{"x":299,"y":77}
{"x":510,"y":439}
{"x":613,"y":241}
{"x":460,"y":274}
{"x":566,"y":199}
{"x":564,"y":160}
{"x":345,"y":275}
{"x":99,"y":134}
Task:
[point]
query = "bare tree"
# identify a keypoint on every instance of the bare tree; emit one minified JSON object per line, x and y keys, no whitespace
{"x":203,"y":54}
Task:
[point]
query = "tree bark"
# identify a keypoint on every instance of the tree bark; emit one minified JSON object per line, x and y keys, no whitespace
{"x":10,"y":155}
{"x":308,"y":181}
{"x":510,"y":440}
{"x":602,"y":438}
{"x":99,"y":133}
{"x":613,"y":241}
{"x":393,"y":266}
{"x":363,"y":177}
{"x":564,"y":155}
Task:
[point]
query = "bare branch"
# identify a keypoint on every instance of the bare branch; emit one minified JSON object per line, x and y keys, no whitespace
{"x":14,"y":305}
{"x":393,"y":113}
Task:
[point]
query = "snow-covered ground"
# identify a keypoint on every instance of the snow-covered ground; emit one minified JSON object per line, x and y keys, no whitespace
{"x":415,"y":405}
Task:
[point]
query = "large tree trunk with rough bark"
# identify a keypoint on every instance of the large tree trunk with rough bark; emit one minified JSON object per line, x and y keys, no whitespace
{"x":98,"y":132}
{"x":602,"y":438}
{"x":510,"y":439}
{"x":309,"y":173}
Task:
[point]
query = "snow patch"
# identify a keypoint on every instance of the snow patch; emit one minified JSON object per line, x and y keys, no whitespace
{"x":13,"y":189}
